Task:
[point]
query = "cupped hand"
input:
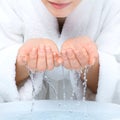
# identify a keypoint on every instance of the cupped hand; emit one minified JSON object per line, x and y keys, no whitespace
{"x":38,"y":54}
{"x":79,"y":52}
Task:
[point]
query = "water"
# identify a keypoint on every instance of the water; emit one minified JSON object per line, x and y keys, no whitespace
{"x":48,"y":80}
{"x":31,"y":73}
{"x":59,"y":115}
{"x":84,"y":115}
{"x":85,"y":82}
{"x":76,"y":92}
{"x":68,"y":110}
{"x":76,"y":84}
{"x":76,"y":87}
{"x":64,"y":93}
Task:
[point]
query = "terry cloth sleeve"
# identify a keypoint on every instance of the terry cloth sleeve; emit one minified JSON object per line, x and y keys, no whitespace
{"x":10,"y":41}
{"x":108,"y":43}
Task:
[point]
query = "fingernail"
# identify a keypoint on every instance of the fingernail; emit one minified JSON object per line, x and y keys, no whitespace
{"x":59,"y":60}
{"x":54,"y":54}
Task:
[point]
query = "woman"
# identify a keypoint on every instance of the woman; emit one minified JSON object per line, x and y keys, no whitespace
{"x":56,"y":39}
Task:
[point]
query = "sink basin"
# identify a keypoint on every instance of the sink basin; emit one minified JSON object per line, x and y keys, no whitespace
{"x":59,"y":110}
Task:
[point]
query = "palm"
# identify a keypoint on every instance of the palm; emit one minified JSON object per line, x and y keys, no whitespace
{"x":39,"y":54}
{"x":78,"y":52}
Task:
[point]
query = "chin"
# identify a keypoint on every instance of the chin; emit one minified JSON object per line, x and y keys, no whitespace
{"x":60,"y":15}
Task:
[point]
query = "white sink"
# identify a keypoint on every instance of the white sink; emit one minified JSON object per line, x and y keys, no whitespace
{"x":59,"y":110}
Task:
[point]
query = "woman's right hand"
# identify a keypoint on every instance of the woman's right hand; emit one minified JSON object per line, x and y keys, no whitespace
{"x":38,"y":54}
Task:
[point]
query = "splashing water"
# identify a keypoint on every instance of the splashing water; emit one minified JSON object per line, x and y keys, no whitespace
{"x":75,"y":83}
{"x":31,"y":74}
{"x":85,"y":71}
{"x":48,"y":80}
{"x":64,"y":92}
{"x":75,"y":86}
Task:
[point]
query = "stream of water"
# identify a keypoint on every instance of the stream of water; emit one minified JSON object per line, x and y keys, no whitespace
{"x":31,"y":73}
{"x":48,"y":80}
{"x":85,"y":82}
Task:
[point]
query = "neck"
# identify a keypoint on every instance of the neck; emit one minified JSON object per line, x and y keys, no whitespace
{"x":61,"y":23}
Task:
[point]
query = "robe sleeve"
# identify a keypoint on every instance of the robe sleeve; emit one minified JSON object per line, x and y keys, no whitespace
{"x":108,"y":42}
{"x":10,"y":41}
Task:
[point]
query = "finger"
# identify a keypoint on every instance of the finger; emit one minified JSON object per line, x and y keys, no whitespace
{"x":22,"y":59}
{"x":66,"y":62}
{"x":72,"y":58}
{"x":21,"y":54}
{"x":32,"y":59}
{"x":41,"y":63}
{"x":82,"y":56}
{"x":54,"y":49}
{"x":92,"y":51}
{"x":49,"y":59}
{"x":57,"y":59}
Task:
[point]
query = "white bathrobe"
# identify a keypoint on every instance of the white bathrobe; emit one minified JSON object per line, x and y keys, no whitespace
{"x":21,"y":20}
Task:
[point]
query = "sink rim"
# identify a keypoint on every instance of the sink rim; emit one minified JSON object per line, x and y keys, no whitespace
{"x":59,"y":105}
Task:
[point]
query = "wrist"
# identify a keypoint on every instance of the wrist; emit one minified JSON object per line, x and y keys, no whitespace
{"x":21,"y":73}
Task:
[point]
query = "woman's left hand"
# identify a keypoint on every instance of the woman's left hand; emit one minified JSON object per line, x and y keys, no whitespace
{"x":79,"y":52}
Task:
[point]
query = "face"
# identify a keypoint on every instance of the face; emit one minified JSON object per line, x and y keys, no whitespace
{"x":61,"y":8}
